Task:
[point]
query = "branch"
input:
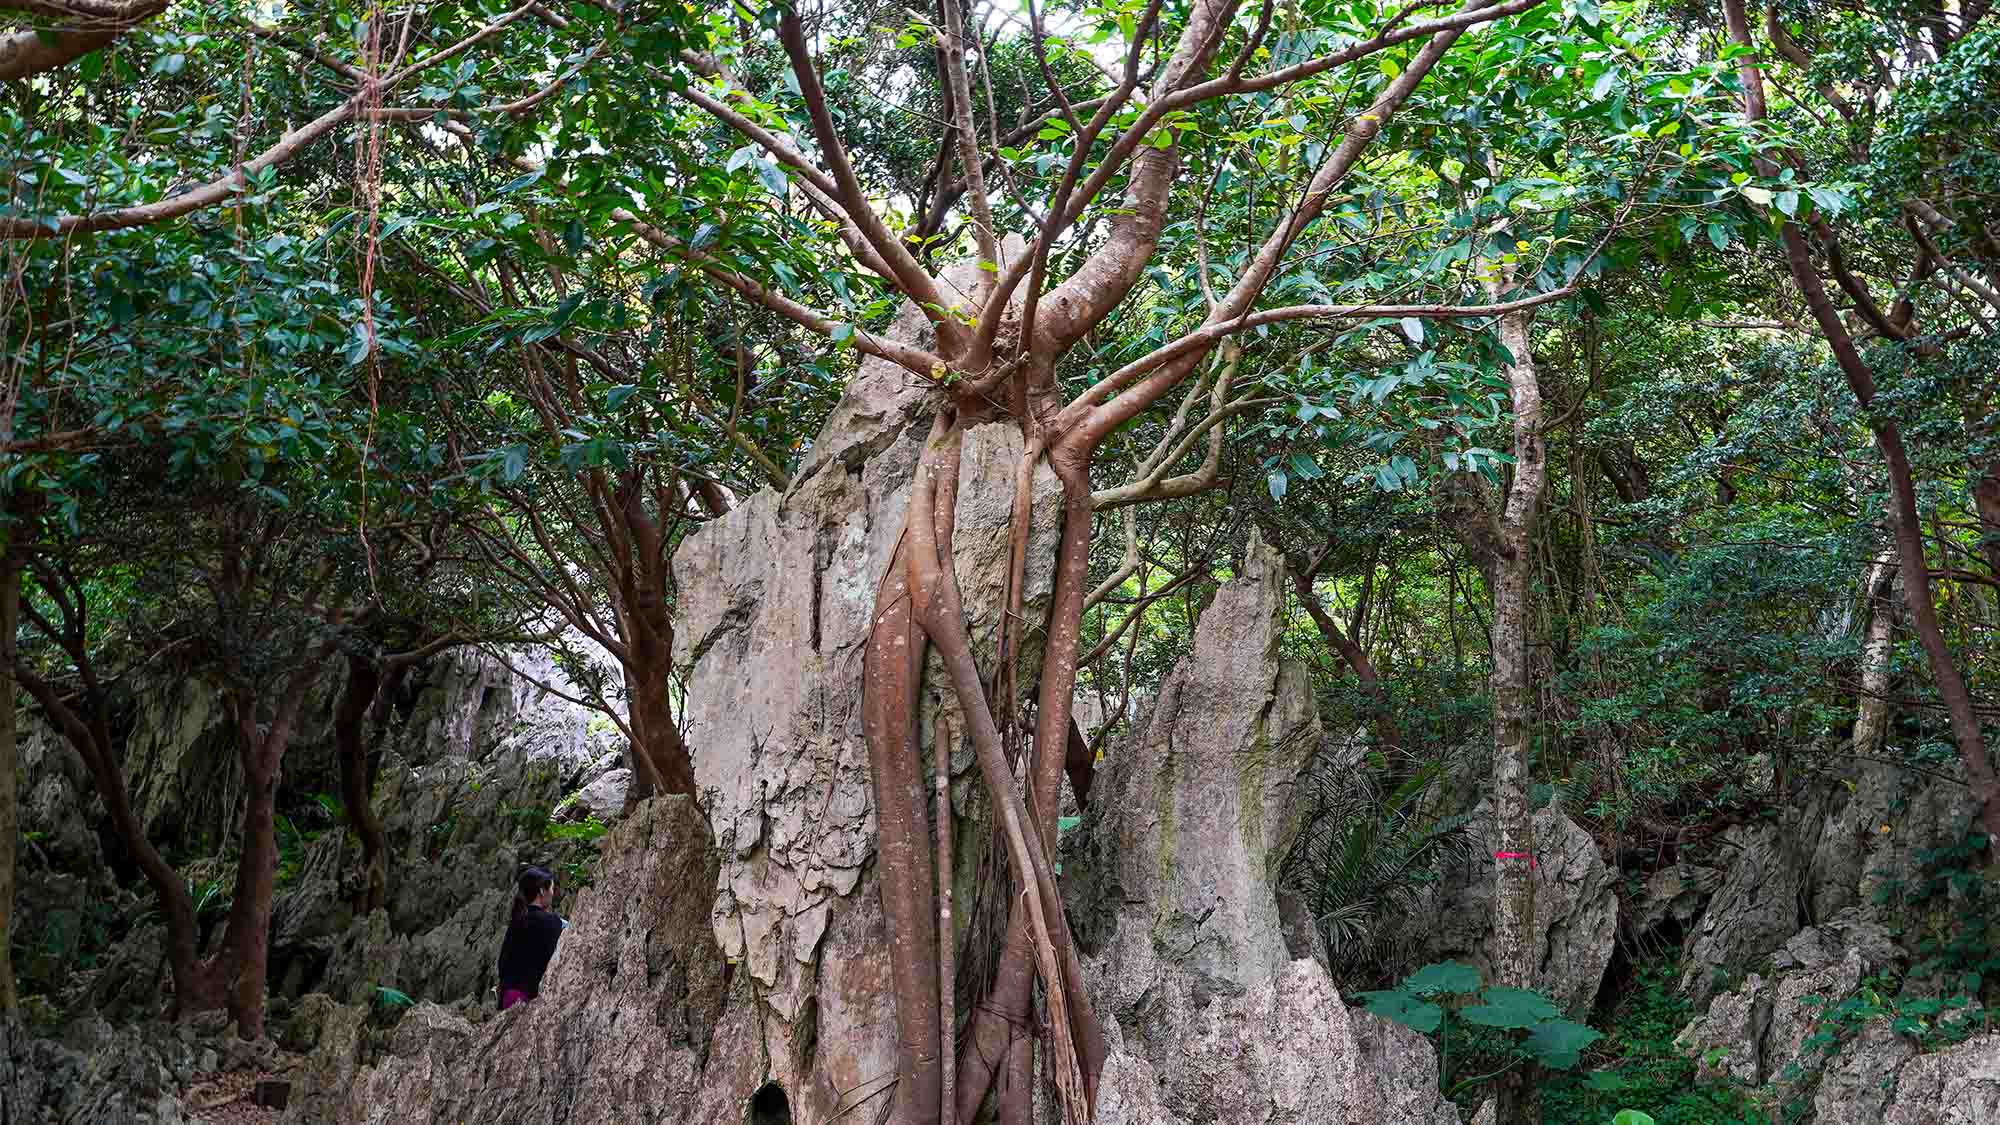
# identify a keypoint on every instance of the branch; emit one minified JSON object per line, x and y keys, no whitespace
{"x":1202,"y":338}
{"x":24,"y":54}
{"x":853,"y":199}
{"x":225,"y":187}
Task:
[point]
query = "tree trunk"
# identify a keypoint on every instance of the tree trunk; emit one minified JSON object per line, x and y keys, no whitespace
{"x":660,"y":755}
{"x":245,"y":956}
{"x":1986,"y":501}
{"x":1871,"y":715}
{"x":1387,"y":734}
{"x":350,"y":720}
{"x":892,"y":665}
{"x":1979,"y":775}
{"x":194,"y":991}
{"x":10,"y":809}
{"x":1513,"y":838}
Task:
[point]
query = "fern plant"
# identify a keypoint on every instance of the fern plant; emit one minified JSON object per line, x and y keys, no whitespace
{"x":1364,"y":854}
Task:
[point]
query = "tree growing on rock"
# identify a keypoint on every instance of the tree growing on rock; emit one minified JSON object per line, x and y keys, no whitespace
{"x":1124,"y":179}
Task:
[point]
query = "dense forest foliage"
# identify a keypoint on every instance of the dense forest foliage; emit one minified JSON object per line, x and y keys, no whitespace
{"x":1616,"y":379}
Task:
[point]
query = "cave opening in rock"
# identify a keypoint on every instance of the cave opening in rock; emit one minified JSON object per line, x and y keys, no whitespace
{"x":769,"y":1106}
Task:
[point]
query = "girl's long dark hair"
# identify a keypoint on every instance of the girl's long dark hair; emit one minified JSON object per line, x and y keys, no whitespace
{"x":528,"y":887}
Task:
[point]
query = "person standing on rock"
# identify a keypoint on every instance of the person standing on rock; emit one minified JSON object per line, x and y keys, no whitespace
{"x":531,"y":938}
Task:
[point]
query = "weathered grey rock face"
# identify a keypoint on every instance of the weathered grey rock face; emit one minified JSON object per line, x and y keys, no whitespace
{"x":1956,"y":1086}
{"x":1673,"y":898}
{"x":1208,"y":1017}
{"x":1754,"y":911}
{"x":1859,"y":1083}
{"x":1288,"y":1052}
{"x":605,"y":797}
{"x":459,"y":820}
{"x":623,"y":1029}
{"x":778,"y":598}
{"x":97,"y":1074}
{"x":1757,"y":1033}
{"x":1576,"y":910}
{"x":1874,"y":830}
{"x":457,"y":831}
{"x":319,"y":1086}
{"x":1191,"y":815}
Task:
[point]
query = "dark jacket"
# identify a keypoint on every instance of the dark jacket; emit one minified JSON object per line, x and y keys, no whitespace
{"x":525,"y":951}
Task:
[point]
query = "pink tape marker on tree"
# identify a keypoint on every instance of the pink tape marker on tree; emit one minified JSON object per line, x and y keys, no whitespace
{"x":1516,"y":855}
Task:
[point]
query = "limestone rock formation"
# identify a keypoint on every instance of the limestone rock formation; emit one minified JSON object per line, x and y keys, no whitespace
{"x":623,"y":1029}
{"x":1956,"y":1086}
{"x":1754,"y":911}
{"x":1756,"y":1034}
{"x":780,"y":987}
{"x":1876,"y":828}
{"x":1576,"y":910}
{"x":1209,"y":1018}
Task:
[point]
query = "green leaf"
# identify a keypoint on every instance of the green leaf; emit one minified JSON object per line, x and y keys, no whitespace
{"x":1401,"y":1007}
{"x":1414,"y":329}
{"x":1718,"y":235}
{"x":1587,"y":11}
{"x":773,"y":177}
{"x":616,"y":396}
{"x":1444,"y":976}
{"x":519,"y":182}
{"x":1828,"y":200}
{"x":1606,"y":1080}
{"x":392,"y":997}
{"x":1788,"y":202}
{"x":1602,"y":86}
{"x":842,"y":333}
{"x":1277,"y":482}
{"x":1632,"y":1117}
{"x":513,"y":462}
{"x":1757,"y":195}
{"x":1511,"y":1008}
{"x":1560,"y":1043}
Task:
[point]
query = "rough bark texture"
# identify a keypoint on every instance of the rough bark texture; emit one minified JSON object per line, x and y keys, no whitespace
{"x":1209,"y":1017}
{"x":1513,"y":835}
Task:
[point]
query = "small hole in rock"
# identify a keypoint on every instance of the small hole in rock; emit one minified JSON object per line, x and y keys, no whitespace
{"x":769,"y":1106}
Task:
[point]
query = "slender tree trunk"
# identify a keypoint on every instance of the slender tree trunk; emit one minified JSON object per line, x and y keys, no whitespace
{"x":1986,"y":501}
{"x":350,"y":719}
{"x":10,"y":809}
{"x":1917,"y":590}
{"x":657,"y":737}
{"x":244,"y":960}
{"x":1513,"y":837}
{"x":1871,"y":715}
{"x":1387,"y":733}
